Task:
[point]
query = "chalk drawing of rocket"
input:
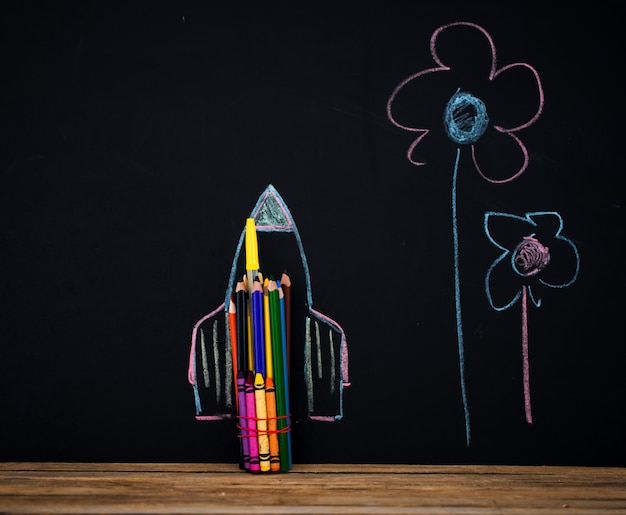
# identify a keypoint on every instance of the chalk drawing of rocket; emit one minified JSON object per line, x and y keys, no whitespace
{"x":319,"y":352}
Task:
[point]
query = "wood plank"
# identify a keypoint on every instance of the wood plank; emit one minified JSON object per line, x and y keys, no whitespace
{"x":113,"y":488}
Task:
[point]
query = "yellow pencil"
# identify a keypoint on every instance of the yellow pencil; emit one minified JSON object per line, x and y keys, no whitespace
{"x":269,"y":366}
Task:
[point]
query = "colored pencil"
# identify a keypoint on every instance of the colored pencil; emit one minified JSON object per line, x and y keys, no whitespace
{"x":241,"y":308}
{"x":279,"y":385}
{"x":241,"y":301}
{"x":258,"y":326}
{"x":250,"y":332}
{"x":232,"y":326}
{"x":285,"y":283}
{"x":285,"y":378}
{"x":268,"y":332}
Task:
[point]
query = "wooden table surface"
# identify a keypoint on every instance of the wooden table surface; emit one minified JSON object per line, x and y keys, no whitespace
{"x":154,"y":488}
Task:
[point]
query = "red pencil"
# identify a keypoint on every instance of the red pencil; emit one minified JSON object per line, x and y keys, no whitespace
{"x":232,"y":322}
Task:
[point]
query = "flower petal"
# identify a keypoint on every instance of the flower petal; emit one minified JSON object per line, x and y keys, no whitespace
{"x":501,"y":285}
{"x":564,"y":258}
{"x":413,"y":107}
{"x":564,"y":264}
{"x":518,"y":97}
{"x":499,"y":157}
{"x":548,"y":224}
{"x":419,"y":100}
{"x":505,"y":230}
{"x":465,"y":48}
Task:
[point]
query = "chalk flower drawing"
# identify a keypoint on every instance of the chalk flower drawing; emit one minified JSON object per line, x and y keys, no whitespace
{"x":449,"y":100}
{"x":534,"y":255}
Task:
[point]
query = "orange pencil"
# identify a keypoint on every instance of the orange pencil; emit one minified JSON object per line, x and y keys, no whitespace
{"x":270,"y":403}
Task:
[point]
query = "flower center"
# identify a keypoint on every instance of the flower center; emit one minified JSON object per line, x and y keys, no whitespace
{"x":530,"y":257}
{"x":465,"y":118}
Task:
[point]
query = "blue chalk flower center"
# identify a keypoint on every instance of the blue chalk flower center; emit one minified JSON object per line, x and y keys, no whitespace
{"x":465,"y":118}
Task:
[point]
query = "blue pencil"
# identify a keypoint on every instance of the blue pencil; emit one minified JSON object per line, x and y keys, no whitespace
{"x":258,"y":327}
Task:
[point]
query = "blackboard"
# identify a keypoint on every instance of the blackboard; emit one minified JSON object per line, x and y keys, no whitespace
{"x":136,"y":140}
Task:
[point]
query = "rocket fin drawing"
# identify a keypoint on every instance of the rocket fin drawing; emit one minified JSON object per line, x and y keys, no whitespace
{"x":318,"y":350}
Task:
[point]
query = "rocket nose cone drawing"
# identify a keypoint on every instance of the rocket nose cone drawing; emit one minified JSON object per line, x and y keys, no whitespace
{"x":318,"y":350}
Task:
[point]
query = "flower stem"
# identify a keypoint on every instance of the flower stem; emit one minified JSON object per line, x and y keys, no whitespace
{"x":525,"y":364}
{"x":457,"y":298}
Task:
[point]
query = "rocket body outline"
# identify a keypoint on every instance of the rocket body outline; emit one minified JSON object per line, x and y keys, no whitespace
{"x":216,"y":400}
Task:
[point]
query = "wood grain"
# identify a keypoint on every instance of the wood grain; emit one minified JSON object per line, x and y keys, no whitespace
{"x":112,"y":488}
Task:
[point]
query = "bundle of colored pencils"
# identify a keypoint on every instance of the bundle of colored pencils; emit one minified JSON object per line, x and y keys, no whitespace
{"x":258,"y":315}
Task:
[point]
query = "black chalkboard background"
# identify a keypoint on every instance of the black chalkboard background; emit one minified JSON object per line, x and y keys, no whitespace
{"x":134,"y":142}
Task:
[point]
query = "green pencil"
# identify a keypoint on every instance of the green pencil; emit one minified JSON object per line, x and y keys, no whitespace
{"x":279,"y":380}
